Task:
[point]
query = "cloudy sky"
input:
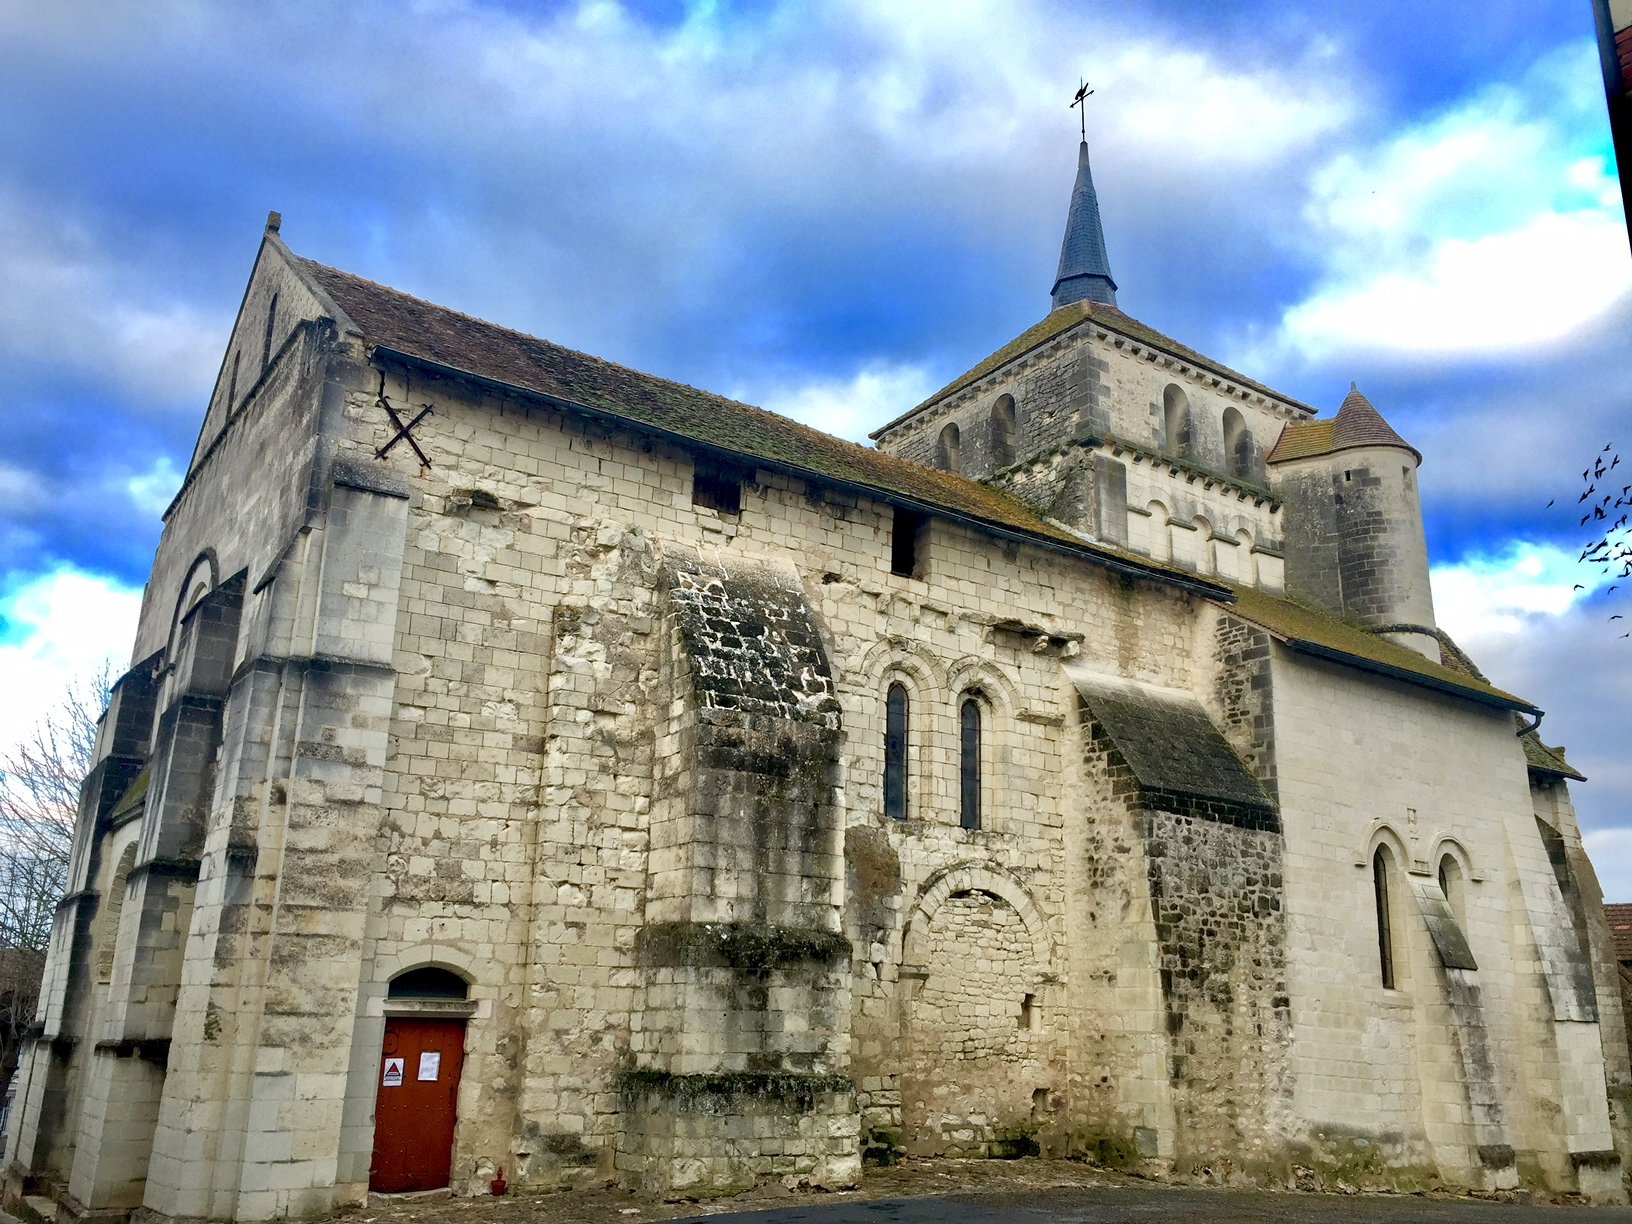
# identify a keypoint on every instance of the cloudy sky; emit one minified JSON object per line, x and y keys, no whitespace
{"x":830,"y":210}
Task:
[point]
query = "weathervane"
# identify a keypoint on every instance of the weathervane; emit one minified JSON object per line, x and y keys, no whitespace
{"x":1082,"y":94}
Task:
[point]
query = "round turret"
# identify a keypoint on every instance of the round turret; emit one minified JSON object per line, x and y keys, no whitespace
{"x":1353,"y":522}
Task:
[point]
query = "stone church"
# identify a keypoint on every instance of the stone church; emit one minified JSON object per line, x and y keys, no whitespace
{"x":528,"y":763}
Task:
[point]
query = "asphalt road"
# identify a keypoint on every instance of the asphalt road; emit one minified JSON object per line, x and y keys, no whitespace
{"x":1154,"y":1205}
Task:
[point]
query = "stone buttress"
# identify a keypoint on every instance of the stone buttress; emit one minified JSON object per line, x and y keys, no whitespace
{"x":741,"y":1046}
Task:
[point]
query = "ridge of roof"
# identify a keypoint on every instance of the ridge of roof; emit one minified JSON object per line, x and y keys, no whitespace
{"x":461,"y":344}
{"x":1301,"y":624}
{"x":1062,"y":319}
{"x":1357,"y":424}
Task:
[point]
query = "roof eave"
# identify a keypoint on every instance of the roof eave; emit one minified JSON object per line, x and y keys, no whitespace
{"x":1493,"y":699}
{"x":1197,"y":586}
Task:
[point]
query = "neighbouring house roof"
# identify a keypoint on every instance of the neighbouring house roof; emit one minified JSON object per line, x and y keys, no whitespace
{"x":1316,"y":631}
{"x":1620,"y":931}
{"x":1166,"y":738}
{"x":1356,"y":424}
{"x":457,"y":344}
{"x":1111,"y":318}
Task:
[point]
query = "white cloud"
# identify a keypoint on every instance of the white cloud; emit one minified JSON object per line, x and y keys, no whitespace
{"x":56,"y":629}
{"x":1611,"y":854}
{"x":154,"y":489}
{"x":1518,"y":615}
{"x":1484,"y":597}
{"x":849,"y":407}
{"x":1524,"y":289}
{"x":1492,"y":227}
{"x":77,"y":313}
{"x":18,"y":487}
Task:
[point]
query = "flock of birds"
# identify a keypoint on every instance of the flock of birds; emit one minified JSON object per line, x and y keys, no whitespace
{"x":1611,"y":549}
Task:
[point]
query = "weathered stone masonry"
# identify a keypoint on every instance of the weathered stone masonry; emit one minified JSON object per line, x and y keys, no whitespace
{"x":585,"y":717}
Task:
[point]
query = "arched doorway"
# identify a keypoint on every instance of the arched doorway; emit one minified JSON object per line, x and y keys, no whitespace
{"x":417,"y":1097}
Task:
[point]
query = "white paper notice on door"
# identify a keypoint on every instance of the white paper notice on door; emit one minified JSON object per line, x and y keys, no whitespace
{"x":430,"y":1064}
{"x":393,"y":1072}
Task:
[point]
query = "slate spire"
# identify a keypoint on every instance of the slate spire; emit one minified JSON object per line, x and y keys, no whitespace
{"x":1085,"y":269}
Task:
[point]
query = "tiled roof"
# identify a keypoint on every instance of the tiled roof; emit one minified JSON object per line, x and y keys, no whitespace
{"x":1318,"y":631}
{"x":1357,"y":423}
{"x":1112,"y":319}
{"x":464,"y":345}
{"x":1085,"y":269}
{"x":1620,"y":930}
{"x":1168,"y":741}
{"x":1539,"y":757}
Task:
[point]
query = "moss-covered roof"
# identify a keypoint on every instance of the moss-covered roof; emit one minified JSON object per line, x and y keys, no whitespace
{"x":135,"y":793}
{"x":1303,"y":440}
{"x":1302,"y":625}
{"x":1167,"y":740}
{"x":461,"y":344}
{"x":1543,"y":759}
{"x":1112,"y":319}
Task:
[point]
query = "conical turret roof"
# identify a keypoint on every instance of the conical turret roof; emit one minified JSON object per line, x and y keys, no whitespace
{"x":1356,"y":424}
{"x":1085,"y":269}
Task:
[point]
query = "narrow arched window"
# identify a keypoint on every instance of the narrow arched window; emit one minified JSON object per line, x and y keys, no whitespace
{"x":1175,"y":422}
{"x":969,"y":764}
{"x":895,"y":752}
{"x":1385,"y":928}
{"x":1003,"y":426}
{"x":949,"y":449}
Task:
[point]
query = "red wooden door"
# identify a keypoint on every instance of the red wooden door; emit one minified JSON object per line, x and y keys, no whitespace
{"x":414,"y":1112}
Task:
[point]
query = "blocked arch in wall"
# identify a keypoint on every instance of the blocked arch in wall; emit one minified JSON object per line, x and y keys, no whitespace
{"x":203,"y":576}
{"x":972,"y":877}
{"x":1005,"y":427}
{"x":113,"y":904}
{"x":1176,"y":422}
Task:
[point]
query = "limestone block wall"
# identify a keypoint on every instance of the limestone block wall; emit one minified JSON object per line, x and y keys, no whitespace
{"x":1093,"y":382}
{"x":1354,"y":538}
{"x":1058,"y":393}
{"x":1550,"y":801}
{"x":1434,"y":777}
{"x":561,"y":524}
{"x":504,"y":714}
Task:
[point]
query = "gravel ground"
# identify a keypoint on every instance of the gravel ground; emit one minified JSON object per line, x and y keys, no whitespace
{"x":981,"y":1192}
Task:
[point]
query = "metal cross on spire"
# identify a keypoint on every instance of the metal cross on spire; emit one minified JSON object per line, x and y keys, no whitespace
{"x":1080,"y":100}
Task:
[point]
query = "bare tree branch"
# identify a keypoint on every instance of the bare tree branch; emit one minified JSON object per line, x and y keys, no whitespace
{"x":40,"y":777}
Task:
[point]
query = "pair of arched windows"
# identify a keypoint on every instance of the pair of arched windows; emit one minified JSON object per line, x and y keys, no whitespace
{"x":897,"y":748}
{"x":1003,"y":424}
{"x":1383,"y":885}
{"x":1178,"y":435}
